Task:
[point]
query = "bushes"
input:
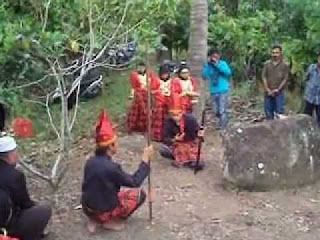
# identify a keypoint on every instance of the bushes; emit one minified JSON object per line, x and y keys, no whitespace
{"x":246,"y":38}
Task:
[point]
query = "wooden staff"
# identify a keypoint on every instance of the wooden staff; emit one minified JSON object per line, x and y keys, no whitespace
{"x":149,"y":136}
{"x":201,"y":140}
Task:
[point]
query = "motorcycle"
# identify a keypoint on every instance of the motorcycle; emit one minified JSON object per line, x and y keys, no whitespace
{"x":121,"y":57}
{"x":172,"y":66}
{"x":90,"y":86}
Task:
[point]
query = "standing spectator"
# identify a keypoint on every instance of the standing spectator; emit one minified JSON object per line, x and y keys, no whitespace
{"x":218,"y":73}
{"x":275,"y":75}
{"x":312,"y":92}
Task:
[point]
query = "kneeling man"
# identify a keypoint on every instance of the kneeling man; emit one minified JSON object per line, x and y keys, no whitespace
{"x":102,"y":199}
{"x":181,"y":136}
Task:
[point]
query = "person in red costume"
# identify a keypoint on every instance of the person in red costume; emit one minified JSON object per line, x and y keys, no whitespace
{"x":137,"y":115}
{"x":181,"y":136}
{"x":185,"y":86}
{"x":161,"y":101}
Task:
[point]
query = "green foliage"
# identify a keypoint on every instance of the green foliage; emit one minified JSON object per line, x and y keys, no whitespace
{"x":29,"y":33}
{"x":245,"y":89}
{"x":176,"y":28}
{"x":243,"y":30}
{"x":14,"y":102}
{"x":245,"y":40}
{"x":246,"y":37}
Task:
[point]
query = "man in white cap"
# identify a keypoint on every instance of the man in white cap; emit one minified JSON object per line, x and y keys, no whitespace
{"x":18,"y":214}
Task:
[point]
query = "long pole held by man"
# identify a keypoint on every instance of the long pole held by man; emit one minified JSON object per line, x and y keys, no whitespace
{"x":149,"y":103}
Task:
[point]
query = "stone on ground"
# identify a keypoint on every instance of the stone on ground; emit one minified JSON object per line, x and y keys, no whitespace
{"x":273,"y":154}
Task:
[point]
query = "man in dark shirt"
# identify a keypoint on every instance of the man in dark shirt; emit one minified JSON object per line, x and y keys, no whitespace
{"x":102,"y":199}
{"x":275,"y":75}
{"x":181,"y":136}
{"x":22,"y":217}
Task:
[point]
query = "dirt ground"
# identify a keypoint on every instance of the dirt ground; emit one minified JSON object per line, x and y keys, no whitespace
{"x":188,"y":206}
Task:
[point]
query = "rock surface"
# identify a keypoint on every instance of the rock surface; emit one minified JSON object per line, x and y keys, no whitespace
{"x":273,"y":154}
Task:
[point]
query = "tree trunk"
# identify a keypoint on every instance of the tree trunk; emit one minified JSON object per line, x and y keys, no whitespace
{"x":198,"y":45}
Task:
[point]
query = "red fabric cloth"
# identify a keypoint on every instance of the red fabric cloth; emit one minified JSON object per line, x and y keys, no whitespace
{"x":159,"y":114}
{"x":175,"y":102}
{"x":22,"y":127}
{"x":3,"y":235}
{"x":137,"y":115}
{"x":185,"y":152}
{"x":176,"y":88}
{"x":129,"y":201}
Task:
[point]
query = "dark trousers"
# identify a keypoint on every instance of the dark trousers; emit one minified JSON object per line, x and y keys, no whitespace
{"x":166,"y":152}
{"x":2,"y":117}
{"x":274,"y":105}
{"x":309,"y":109}
{"x":31,"y":223}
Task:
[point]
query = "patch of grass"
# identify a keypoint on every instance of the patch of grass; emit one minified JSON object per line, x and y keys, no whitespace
{"x":114,"y":99}
{"x":245,"y":89}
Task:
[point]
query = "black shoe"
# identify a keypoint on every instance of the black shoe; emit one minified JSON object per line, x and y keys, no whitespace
{"x":194,"y":165}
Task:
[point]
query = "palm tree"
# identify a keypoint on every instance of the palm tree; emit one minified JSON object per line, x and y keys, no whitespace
{"x":198,"y":43}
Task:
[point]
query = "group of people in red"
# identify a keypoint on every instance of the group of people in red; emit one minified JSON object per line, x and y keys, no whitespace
{"x":172,"y":122}
{"x":109,"y":194}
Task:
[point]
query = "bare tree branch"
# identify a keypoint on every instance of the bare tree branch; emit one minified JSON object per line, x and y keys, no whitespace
{"x":46,"y":15}
{"x":34,"y":171}
{"x":50,"y":118}
{"x":76,"y":109}
{"x":89,"y":61}
{"x":114,"y":33}
{"x":30,"y":84}
{"x":36,"y":102}
{"x":55,"y":167}
{"x":91,"y":34}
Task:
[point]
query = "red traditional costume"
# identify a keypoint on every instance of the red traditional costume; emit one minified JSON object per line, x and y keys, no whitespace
{"x":102,"y":199}
{"x":137,"y":115}
{"x":160,"y":108}
{"x":181,"y":87}
{"x":184,"y":151}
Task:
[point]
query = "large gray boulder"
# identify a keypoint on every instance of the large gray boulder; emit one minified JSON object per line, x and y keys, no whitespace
{"x":273,"y":154}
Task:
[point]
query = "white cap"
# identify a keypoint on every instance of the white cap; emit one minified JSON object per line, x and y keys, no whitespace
{"x":7,"y":144}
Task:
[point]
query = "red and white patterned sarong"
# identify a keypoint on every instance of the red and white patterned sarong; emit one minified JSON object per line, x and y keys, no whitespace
{"x":129,"y":202}
{"x":159,"y":114}
{"x":185,"y":152}
{"x":137,"y":115}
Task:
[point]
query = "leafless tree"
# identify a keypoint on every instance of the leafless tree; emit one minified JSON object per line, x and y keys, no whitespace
{"x":88,"y":62}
